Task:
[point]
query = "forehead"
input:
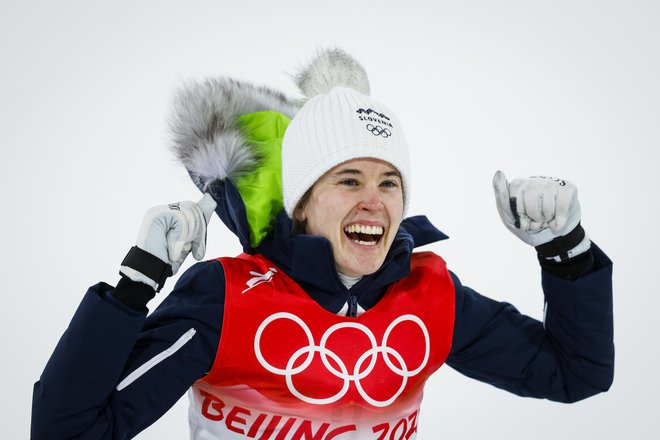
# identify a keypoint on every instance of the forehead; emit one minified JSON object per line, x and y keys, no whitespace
{"x":365,"y":165}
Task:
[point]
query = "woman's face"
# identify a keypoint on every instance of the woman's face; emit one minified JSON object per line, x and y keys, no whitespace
{"x":357,"y":206}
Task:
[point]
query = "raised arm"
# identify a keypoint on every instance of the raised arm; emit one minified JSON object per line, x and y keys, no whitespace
{"x":569,"y":356}
{"x":115,"y":371}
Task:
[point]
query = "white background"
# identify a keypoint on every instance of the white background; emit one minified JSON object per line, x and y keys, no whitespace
{"x":561,"y":88}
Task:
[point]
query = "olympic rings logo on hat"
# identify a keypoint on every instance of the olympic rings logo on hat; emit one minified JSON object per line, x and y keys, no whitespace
{"x":377,"y":130}
{"x":403,"y":369}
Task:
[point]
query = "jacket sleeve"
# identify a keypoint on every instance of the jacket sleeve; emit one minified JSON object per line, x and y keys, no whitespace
{"x":115,"y":371}
{"x":567,"y":358}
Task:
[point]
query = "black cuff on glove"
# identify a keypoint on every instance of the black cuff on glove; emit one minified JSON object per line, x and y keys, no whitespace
{"x":148,"y":265}
{"x":568,"y":267}
{"x":561,"y":245}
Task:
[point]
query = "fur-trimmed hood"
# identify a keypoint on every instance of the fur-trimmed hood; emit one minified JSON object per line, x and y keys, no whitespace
{"x":206,"y":137}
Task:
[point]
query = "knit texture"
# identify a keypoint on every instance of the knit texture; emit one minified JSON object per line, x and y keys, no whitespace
{"x":336,"y":127}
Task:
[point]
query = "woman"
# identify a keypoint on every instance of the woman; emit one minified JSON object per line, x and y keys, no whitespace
{"x":329,"y":325}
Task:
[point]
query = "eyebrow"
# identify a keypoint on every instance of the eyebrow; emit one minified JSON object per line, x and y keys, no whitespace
{"x":354,"y":172}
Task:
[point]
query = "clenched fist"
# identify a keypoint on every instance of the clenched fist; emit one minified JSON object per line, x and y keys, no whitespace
{"x":539,"y":209}
{"x":169,"y":232}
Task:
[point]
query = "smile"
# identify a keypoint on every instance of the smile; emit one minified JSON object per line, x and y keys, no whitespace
{"x":364,"y":234}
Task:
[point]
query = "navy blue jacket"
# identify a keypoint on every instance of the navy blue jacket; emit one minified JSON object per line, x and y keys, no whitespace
{"x":83,"y":391}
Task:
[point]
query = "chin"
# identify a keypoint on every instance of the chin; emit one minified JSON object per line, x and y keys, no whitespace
{"x":361,"y":270}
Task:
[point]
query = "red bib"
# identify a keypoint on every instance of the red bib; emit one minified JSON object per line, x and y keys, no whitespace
{"x":288,"y":369}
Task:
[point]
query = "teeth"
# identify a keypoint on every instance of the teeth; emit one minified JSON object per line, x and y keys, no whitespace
{"x":364,"y":229}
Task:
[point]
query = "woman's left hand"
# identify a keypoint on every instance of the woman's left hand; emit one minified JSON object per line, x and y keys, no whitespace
{"x":537,"y":209}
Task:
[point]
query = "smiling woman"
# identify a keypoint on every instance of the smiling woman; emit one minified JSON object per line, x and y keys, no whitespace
{"x":358,"y":207}
{"x":328,"y":325}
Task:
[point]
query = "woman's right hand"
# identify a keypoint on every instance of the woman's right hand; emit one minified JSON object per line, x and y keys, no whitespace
{"x":169,"y":233}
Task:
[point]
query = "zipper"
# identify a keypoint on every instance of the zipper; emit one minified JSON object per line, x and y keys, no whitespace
{"x":135,"y":375}
{"x":352,"y":306}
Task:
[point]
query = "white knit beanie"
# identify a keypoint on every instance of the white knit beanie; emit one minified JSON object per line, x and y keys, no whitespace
{"x":337,"y":124}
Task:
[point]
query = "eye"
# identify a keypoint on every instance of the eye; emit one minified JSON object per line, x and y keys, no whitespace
{"x":349,"y":182}
{"x":390,"y":184}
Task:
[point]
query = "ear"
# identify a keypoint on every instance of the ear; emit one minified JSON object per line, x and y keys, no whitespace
{"x":299,"y":213}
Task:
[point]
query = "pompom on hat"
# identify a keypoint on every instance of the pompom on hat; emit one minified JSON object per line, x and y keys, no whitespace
{"x":339,"y":122}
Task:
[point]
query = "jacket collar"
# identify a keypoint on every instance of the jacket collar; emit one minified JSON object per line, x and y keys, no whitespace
{"x":309,"y":261}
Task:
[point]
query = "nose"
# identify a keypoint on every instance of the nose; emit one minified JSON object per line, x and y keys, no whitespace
{"x":372,"y":200}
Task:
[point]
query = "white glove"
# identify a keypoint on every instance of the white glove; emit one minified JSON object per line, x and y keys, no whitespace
{"x":170,"y":232}
{"x":539,"y":209}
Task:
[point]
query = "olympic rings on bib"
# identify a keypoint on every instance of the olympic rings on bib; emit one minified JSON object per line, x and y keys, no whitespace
{"x":398,"y":367}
